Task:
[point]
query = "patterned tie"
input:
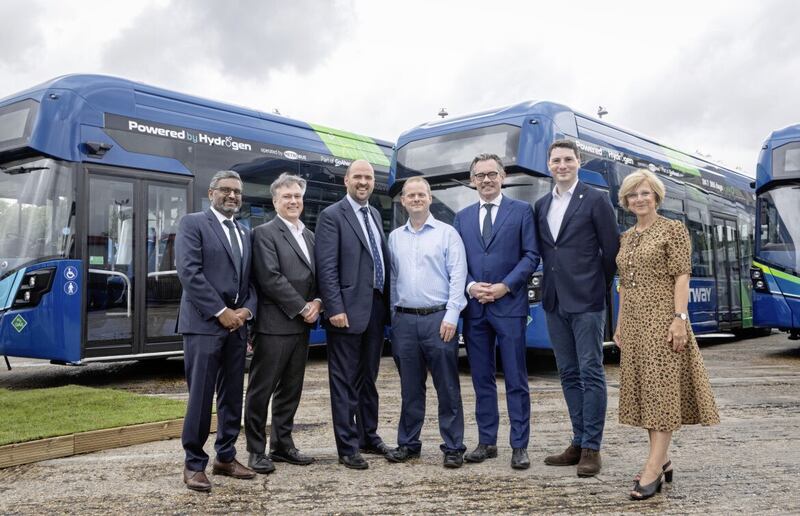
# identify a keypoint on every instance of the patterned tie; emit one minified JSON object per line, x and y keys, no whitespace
{"x":237,"y":252}
{"x":486,"y":233}
{"x":376,"y":256}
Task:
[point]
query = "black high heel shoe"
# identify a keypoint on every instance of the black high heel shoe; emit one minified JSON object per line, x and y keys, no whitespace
{"x":667,"y":473}
{"x":645,"y":492}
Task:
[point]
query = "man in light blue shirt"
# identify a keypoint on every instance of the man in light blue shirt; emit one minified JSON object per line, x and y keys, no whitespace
{"x":428,"y":276}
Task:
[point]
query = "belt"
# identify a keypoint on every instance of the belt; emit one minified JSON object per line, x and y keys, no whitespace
{"x":421,"y":311}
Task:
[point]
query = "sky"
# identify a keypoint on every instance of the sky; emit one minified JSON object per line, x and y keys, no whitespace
{"x":708,"y":77}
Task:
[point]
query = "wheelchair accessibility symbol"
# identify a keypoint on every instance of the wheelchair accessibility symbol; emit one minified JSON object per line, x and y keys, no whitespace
{"x":71,"y":288}
{"x":70,"y":273}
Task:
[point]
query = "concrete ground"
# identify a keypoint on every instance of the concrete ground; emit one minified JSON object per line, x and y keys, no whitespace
{"x":749,"y":464}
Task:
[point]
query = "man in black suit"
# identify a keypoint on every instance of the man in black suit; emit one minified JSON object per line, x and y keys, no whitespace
{"x":283,"y":271}
{"x":352,"y":273}
{"x":212,"y":254}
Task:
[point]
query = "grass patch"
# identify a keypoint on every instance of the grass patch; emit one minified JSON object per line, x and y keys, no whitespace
{"x":40,"y":413}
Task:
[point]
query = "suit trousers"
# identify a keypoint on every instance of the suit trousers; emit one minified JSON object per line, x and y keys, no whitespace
{"x":577,"y":341}
{"x":417,"y":347}
{"x":277,"y":370}
{"x":480,"y":334}
{"x":212,"y":361}
{"x":353,"y":362}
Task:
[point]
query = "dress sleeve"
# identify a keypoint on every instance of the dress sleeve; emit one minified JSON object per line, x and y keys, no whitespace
{"x":679,"y":250}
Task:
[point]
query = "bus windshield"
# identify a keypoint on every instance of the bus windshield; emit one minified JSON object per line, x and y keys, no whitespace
{"x":451,"y":196}
{"x":780,"y":227}
{"x":36,"y":211}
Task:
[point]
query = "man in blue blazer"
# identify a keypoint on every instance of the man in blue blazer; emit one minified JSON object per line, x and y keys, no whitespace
{"x":500,"y":240}
{"x":353,"y":277}
{"x":579,"y":239}
{"x":212,"y":253}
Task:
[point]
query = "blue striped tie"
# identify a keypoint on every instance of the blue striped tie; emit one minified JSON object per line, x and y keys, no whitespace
{"x":376,"y":256}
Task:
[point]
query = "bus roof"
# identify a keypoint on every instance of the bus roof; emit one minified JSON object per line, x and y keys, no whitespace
{"x":85,"y":100}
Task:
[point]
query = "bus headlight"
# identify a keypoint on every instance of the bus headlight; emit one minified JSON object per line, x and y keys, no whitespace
{"x":756,"y":274}
{"x":535,"y":288}
{"x":33,"y":286}
{"x":760,"y":285}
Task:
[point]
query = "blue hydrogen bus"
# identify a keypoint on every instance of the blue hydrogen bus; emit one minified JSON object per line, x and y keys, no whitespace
{"x":776,"y":260}
{"x":95,"y":173}
{"x":715,"y":203}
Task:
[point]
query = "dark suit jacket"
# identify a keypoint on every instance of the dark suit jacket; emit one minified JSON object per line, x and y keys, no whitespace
{"x":285,"y":279}
{"x":208,"y":276}
{"x":578,"y":267}
{"x":345,"y":269}
{"x":511,"y":256}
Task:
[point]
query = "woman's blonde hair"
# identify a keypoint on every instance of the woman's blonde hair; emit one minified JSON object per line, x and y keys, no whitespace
{"x":636,"y":178}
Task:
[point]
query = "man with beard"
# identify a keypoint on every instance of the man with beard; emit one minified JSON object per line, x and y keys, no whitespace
{"x":212,"y":256}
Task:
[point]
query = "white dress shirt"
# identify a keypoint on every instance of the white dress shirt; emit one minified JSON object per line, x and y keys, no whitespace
{"x":482,"y":211}
{"x":375,"y":231}
{"x":297,"y":233}
{"x":558,"y":207}
{"x":222,"y":218}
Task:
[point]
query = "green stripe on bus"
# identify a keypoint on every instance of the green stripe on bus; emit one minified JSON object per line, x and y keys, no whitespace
{"x":351,"y":146}
{"x":777,"y":273}
{"x":677,"y":163}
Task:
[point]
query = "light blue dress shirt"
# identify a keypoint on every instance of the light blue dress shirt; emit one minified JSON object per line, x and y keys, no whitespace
{"x":429,"y":267}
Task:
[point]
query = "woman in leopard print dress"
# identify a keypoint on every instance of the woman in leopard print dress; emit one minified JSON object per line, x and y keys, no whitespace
{"x":663,"y":382}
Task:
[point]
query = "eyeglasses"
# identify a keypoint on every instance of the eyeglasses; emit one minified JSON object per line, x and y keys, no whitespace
{"x":224,"y":190}
{"x":480,"y":176}
{"x":635,"y":195}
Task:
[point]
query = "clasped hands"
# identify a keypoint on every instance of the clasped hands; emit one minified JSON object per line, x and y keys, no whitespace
{"x":487,"y":292}
{"x":232,"y":320}
{"x":314,"y":308}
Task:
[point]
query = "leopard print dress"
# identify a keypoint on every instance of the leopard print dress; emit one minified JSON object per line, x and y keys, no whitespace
{"x":659,"y":388}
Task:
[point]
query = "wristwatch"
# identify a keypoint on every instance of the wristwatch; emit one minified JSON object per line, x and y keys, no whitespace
{"x":682,"y":316}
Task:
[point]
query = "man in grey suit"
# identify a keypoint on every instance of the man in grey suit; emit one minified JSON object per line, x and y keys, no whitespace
{"x":284,"y":273}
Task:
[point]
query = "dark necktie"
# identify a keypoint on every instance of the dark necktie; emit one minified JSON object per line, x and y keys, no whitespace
{"x":486,"y":232}
{"x":237,"y":251}
{"x":376,"y":256}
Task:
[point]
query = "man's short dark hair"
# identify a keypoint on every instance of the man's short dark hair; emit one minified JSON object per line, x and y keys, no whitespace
{"x":563,"y":144}
{"x":485,"y":156}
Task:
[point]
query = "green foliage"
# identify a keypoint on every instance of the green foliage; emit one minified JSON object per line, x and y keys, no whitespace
{"x":39,"y":413}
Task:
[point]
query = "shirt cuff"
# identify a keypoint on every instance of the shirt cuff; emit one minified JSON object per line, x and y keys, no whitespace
{"x":220,"y":312}
{"x":469,"y":286}
{"x":451,"y":316}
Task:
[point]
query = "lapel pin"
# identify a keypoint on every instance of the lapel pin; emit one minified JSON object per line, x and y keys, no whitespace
{"x":580,"y":196}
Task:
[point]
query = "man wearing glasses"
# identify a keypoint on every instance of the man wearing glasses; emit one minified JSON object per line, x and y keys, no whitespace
{"x":212,"y":253}
{"x":500,"y":239}
{"x":579,"y":239}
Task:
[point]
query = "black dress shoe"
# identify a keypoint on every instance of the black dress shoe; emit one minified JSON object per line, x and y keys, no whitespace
{"x":481,"y":453}
{"x":519,"y":459}
{"x":402,"y":454}
{"x":380,"y":449}
{"x":292,"y":456}
{"x":453,"y":459}
{"x":260,"y":463}
{"x":355,"y":461}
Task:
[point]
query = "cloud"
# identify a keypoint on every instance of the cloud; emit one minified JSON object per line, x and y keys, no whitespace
{"x":242,"y":40}
{"x":20,"y":32}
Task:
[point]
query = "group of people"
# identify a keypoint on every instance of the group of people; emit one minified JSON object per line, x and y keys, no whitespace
{"x":422,"y":278}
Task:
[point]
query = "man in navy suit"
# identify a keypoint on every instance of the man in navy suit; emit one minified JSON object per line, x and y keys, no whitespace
{"x":352,"y":273}
{"x":500,"y":240}
{"x":579,"y":239}
{"x":212,"y":255}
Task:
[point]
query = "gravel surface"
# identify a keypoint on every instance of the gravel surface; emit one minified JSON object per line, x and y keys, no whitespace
{"x":749,"y":464}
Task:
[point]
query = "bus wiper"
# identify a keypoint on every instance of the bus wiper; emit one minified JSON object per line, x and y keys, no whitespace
{"x":13,"y":171}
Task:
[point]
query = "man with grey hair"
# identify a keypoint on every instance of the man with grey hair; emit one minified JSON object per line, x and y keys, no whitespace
{"x":285,"y":277}
{"x":212,"y":255}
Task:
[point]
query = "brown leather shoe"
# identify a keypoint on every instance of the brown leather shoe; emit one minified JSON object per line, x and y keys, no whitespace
{"x":590,"y":463}
{"x":569,"y":457}
{"x":196,"y":480}
{"x":232,"y":469}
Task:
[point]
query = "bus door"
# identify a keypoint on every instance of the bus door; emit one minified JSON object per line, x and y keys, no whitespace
{"x":727,"y":273}
{"x":132,"y":291}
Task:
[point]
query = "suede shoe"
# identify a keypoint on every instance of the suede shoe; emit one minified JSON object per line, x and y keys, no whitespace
{"x":292,"y":456}
{"x":232,"y":469}
{"x":402,"y":454}
{"x":481,"y":453}
{"x":590,"y":463}
{"x":519,"y":459}
{"x":260,"y":463}
{"x":196,"y":480}
{"x":355,"y":461}
{"x":569,"y":457}
{"x":453,"y":459}
{"x":380,"y":449}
